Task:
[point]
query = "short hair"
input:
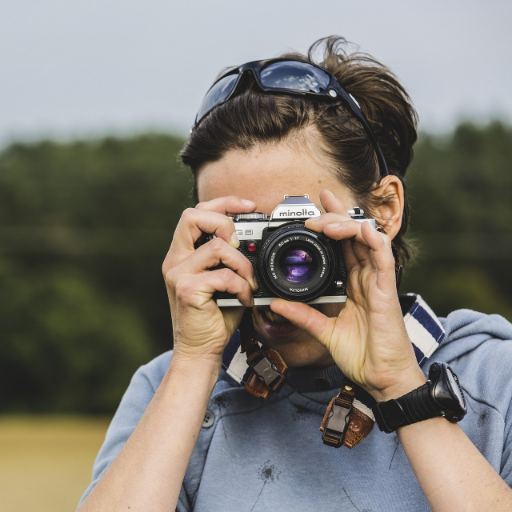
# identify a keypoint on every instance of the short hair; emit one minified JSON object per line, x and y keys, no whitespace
{"x":253,"y":118}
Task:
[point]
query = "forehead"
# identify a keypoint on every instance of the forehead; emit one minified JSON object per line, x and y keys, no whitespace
{"x":265,"y":174}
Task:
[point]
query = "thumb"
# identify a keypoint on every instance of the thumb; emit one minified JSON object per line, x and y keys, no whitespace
{"x":232,"y":318}
{"x":305,"y":317}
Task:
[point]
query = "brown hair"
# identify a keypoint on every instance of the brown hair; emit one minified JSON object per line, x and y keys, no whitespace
{"x":253,"y":118}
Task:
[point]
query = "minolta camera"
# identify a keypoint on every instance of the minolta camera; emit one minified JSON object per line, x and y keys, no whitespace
{"x":289,"y":260}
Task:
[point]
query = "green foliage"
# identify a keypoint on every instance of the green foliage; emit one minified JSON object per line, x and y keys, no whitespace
{"x":460,"y":189}
{"x":65,"y":347}
{"x":85,"y":226}
{"x":467,"y":174}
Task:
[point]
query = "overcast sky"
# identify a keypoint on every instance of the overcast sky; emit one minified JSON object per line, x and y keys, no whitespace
{"x":88,"y":67}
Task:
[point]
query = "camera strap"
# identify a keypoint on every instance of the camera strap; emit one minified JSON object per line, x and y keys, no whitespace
{"x":267,"y":366}
{"x":243,"y":353}
{"x":343,"y":423}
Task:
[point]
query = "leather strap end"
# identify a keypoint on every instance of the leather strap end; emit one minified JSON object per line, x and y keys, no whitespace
{"x":359,"y":428}
{"x":256,"y":387}
{"x":343,"y":425}
{"x":326,"y":415}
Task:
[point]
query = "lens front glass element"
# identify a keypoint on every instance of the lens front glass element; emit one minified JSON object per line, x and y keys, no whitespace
{"x":295,"y":76}
{"x":297,"y":265}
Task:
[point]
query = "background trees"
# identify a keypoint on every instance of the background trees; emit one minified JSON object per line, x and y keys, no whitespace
{"x":84,"y":227}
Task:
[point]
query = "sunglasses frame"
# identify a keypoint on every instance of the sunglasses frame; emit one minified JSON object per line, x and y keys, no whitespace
{"x":333,"y":92}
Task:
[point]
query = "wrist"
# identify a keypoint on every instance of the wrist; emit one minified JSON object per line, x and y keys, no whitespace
{"x":197,"y":367}
{"x":198,"y":352}
{"x":441,"y":395}
{"x":405,"y":383}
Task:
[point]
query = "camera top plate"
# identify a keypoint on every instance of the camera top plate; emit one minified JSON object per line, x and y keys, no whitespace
{"x":294,"y":208}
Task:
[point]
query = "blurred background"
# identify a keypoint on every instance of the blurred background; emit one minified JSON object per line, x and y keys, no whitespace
{"x":96,"y":100}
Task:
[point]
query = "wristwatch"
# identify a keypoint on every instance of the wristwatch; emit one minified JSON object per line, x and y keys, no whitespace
{"x":441,"y":395}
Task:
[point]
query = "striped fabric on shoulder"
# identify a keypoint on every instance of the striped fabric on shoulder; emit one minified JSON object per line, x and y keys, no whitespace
{"x":424,"y":329}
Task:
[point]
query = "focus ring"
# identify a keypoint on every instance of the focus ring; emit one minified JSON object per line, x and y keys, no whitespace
{"x":296,"y":236}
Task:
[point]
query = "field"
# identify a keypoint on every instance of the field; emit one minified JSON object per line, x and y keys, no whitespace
{"x":46,"y":462}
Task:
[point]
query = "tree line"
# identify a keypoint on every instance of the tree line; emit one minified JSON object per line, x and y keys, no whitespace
{"x":85,"y":225}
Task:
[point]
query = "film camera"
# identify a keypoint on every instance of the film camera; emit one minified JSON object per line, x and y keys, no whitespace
{"x":289,"y":260}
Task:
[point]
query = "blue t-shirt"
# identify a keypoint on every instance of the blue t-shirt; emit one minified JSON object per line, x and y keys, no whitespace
{"x":256,"y":454}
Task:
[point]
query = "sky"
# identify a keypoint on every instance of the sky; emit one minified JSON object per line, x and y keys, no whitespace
{"x":86,"y":68}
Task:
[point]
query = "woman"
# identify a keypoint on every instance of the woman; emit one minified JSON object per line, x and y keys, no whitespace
{"x":188,"y":436}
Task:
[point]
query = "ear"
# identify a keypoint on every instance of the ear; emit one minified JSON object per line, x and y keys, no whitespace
{"x":389,"y":199}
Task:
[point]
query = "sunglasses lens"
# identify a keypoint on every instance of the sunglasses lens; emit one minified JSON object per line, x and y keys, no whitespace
{"x":295,"y":76}
{"x":217,"y":94}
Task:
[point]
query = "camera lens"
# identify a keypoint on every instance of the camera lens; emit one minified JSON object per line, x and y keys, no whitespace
{"x":297,"y":265}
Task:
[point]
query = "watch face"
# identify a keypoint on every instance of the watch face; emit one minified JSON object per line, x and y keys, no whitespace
{"x":447,"y":393}
{"x":457,"y":392}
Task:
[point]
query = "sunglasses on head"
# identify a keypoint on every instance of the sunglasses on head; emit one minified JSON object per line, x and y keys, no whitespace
{"x":292,"y":77}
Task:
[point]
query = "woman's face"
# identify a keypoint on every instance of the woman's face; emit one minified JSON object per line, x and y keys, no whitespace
{"x":264,"y":175}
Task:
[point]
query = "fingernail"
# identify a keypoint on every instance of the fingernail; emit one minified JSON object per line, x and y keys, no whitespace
{"x":248,"y":203}
{"x":234,"y":240}
{"x":330,"y":193}
{"x":253,"y":284}
{"x":335,"y":225}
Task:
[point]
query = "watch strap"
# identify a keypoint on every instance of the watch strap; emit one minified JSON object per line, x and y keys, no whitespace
{"x":415,"y":406}
{"x":418,"y":404}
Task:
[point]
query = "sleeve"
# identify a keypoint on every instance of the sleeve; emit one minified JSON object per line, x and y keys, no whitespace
{"x":506,"y":460}
{"x":133,"y":404}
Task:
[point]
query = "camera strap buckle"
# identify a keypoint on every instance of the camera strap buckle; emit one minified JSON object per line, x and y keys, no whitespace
{"x":268,"y":370}
{"x":268,"y":367}
{"x":338,"y":416}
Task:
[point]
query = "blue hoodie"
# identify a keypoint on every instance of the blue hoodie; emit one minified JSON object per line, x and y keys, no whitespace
{"x":257,"y":455}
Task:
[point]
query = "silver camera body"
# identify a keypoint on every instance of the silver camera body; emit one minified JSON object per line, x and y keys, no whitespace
{"x":289,"y":260}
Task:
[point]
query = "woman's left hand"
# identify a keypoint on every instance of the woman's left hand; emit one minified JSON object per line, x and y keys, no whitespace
{"x":367,"y":340}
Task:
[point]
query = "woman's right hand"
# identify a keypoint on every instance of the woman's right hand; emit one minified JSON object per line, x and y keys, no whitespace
{"x":201,"y":329}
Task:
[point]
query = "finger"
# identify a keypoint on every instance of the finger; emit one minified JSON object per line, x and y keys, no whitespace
{"x":331,"y":203}
{"x":225,"y":280}
{"x":215,"y":253}
{"x":310,"y":320}
{"x":362,"y":253}
{"x":345,"y":230}
{"x":318,"y":223}
{"x":196,"y":290}
{"x":193,"y":223}
{"x":381,"y":254}
{"x":351,"y":261}
{"x":230,"y":205}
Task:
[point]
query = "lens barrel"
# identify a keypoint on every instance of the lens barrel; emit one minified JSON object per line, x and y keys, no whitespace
{"x":296,"y":263}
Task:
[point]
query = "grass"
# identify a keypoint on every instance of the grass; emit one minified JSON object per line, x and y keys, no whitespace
{"x":46,"y":462}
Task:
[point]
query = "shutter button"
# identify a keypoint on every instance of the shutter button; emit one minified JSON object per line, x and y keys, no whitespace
{"x":209,"y":418}
{"x":321,"y":382}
